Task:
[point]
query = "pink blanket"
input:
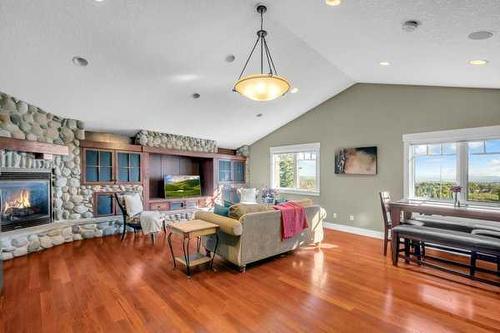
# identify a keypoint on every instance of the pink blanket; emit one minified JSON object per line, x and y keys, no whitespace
{"x":293,"y":219}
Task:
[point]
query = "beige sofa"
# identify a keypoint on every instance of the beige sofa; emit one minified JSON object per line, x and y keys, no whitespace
{"x":257,"y":235}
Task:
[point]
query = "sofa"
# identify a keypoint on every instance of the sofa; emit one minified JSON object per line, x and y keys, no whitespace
{"x":253,"y":233}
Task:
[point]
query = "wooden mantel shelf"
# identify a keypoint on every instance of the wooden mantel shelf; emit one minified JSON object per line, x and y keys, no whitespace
{"x":40,"y":149}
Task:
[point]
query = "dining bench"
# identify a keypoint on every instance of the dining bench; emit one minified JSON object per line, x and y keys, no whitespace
{"x":479,"y":246}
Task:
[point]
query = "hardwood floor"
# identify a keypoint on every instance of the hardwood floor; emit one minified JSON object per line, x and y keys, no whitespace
{"x":104,"y":285}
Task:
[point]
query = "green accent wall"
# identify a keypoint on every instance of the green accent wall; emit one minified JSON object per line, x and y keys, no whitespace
{"x":373,"y":115}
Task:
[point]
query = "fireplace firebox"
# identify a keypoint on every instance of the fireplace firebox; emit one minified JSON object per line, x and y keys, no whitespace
{"x":25,"y":199}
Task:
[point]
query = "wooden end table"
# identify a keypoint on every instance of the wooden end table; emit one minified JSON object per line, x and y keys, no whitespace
{"x":189,"y":230}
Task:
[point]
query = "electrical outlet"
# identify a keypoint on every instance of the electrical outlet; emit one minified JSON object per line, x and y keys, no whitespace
{"x":351,"y":217}
{"x":334,"y":215}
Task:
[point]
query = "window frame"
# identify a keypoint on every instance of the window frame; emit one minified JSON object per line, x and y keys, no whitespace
{"x":299,"y":148}
{"x":461,"y":137}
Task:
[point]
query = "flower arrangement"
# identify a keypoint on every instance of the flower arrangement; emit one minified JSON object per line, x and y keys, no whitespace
{"x":269,"y":194}
{"x":456,"y":190}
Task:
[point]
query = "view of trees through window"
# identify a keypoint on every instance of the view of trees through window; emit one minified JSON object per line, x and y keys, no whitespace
{"x":435,"y":170}
{"x":295,"y":170}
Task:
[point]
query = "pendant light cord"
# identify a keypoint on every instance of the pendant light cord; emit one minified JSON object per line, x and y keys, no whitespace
{"x":263,"y":49}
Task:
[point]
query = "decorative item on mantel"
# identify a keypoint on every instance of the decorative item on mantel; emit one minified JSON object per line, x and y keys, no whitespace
{"x":455,"y":190}
{"x":173,"y":141}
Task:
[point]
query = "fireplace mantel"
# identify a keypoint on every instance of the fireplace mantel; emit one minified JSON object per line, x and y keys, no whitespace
{"x":40,"y":149}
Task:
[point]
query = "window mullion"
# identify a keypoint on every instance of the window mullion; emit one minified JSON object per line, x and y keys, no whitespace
{"x":463,"y":169}
{"x":296,"y":171}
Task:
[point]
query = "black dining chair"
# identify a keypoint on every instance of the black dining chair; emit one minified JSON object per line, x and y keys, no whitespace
{"x":385,"y":199}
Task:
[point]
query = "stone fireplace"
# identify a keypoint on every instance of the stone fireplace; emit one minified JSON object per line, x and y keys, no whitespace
{"x":25,"y":199}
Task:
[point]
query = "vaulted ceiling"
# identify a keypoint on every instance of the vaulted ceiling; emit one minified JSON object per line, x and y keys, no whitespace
{"x":147,"y":58}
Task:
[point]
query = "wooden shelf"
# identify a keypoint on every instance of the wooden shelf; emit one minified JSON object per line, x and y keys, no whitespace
{"x":194,"y":260}
{"x":164,"y":151}
{"x":44,"y":150}
{"x":179,"y":199}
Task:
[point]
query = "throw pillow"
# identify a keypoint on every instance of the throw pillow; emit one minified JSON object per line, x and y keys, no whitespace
{"x":133,"y":204}
{"x":238,"y":210}
{"x":248,"y":195}
{"x":221,"y":210}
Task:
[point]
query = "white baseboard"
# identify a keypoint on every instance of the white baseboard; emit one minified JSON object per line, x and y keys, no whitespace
{"x":354,"y":230}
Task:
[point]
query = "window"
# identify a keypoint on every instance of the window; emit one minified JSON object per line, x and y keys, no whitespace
{"x":484,"y":171}
{"x":295,"y":169}
{"x":436,"y":161}
{"x":435,"y":170}
{"x":98,"y":165}
{"x":129,"y":167}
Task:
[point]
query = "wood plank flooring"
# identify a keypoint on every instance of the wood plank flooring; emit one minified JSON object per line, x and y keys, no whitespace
{"x":104,"y":285}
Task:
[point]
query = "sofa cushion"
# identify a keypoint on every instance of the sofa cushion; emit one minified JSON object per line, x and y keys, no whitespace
{"x":228,"y":225}
{"x":238,"y":210}
{"x":306,"y":202}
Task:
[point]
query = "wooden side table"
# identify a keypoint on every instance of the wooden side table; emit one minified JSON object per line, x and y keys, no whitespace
{"x":189,"y":230}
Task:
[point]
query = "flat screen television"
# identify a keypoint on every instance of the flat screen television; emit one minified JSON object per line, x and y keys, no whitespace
{"x":182,"y":186}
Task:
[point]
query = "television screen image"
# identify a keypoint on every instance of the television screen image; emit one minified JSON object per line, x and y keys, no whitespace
{"x":182,"y":186}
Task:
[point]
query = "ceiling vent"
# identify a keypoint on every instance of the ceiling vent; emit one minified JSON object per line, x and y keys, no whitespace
{"x":411,"y":25}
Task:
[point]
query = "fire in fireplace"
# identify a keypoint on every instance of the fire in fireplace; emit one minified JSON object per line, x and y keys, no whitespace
{"x":24,"y":199}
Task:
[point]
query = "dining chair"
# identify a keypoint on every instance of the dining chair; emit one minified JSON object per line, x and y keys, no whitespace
{"x":133,"y":222}
{"x":385,"y":199}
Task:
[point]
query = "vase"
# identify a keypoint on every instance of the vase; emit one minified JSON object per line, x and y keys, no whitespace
{"x":456,"y":201}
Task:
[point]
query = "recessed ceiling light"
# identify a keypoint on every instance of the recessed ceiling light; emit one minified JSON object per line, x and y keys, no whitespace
{"x":294,"y":90}
{"x":333,"y":2}
{"x":79,"y":61}
{"x":98,"y":0}
{"x":196,"y":95}
{"x":411,"y":25}
{"x":259,"y":115}
{"x":480,"y":35}
{"x":478,"y":62}
{"x":230,"y":58}
{"x":384,"y":63}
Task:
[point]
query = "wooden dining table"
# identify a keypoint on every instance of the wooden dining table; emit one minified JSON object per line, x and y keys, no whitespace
{"x":407,"y":207}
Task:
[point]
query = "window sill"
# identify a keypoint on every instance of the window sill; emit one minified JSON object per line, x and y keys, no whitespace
{"x":299,"y":192}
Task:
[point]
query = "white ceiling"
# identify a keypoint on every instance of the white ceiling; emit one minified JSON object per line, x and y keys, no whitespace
{"x":148,"y":57}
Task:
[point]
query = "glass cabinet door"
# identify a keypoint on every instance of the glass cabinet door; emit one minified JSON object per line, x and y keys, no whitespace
{"x":224,"y":171}
{"x":238,"y":171}
{"x":129,"y":167}
{"x":98,"y":166}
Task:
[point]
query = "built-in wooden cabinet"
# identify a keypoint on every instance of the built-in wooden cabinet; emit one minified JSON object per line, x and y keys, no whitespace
{"x":105,"y":166}
{"x":105,"y":163}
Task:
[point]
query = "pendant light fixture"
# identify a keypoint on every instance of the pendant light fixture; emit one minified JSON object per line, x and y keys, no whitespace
{"x":264,"y":86}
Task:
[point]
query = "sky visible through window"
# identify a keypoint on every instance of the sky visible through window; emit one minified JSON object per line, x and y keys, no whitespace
{"x":484,"y":162}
